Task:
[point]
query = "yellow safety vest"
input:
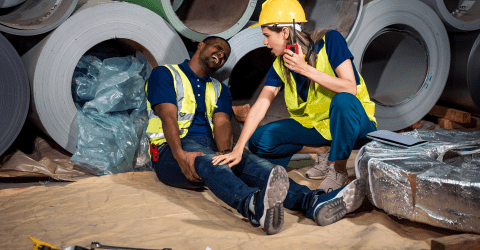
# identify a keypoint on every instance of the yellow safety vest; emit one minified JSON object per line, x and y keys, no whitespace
{"x":186,"y":105}
{"x":314,"y":113}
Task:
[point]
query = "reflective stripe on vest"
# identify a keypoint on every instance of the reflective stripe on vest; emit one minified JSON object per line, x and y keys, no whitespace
{"x":186,"y":105}
{"x":314,"y":113}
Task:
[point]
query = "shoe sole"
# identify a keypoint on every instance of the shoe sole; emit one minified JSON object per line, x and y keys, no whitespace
{"x":315,"y":178}
{"x":275,"y":194}
{"x":331,"y":212}
{"x":353,"y":194}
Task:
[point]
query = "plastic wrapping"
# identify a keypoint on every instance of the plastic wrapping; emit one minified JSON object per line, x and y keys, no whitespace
{"x":437,"y":184}
{"x":112,"y":116}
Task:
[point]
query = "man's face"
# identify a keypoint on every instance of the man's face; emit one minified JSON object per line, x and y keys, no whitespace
{"x":214,"y":54}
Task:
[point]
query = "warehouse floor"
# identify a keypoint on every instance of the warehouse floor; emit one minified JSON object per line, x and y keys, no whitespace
{"x":136,"y":210}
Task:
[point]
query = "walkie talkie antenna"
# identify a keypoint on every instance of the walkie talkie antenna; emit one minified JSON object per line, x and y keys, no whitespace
{"x":294,"y":33}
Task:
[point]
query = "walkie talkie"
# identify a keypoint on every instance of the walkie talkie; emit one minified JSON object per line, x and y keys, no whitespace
{"x":294,"y":46}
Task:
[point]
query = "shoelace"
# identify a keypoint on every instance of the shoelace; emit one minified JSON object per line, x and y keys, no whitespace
{"x":331,"y":173}
{"x":319,"y":164}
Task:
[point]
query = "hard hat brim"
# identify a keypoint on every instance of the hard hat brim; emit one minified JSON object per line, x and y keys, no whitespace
{"x":255,"y":25}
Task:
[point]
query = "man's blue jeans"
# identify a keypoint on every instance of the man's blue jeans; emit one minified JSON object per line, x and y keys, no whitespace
{"x":235,"y":186}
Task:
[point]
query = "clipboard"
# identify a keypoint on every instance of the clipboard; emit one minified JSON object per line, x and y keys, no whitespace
{"x":395,"y":139}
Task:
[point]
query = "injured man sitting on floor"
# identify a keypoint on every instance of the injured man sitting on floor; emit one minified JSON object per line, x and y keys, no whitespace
{"x":189,"y":124}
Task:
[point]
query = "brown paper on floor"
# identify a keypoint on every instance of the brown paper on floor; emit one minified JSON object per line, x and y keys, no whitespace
{"x":136,"y":210}
{"x":46,"y":160}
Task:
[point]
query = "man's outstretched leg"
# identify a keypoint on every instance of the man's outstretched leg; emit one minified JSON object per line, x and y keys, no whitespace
{"x":267,"y":197}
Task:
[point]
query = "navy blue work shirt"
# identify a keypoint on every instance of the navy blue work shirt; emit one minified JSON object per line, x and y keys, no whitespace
{"x":161,"y":90}
{"x":337,"y":51}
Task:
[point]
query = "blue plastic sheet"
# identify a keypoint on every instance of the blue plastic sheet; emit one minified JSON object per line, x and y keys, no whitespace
{"x":112,"y":117}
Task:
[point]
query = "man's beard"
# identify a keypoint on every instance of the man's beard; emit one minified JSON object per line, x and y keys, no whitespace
{"x":206,"y":63}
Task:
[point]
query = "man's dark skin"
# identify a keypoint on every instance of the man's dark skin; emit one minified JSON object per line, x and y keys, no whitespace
{"x":208,"y":58}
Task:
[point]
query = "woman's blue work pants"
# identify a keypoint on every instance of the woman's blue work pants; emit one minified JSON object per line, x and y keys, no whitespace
{"x":349,"y":124}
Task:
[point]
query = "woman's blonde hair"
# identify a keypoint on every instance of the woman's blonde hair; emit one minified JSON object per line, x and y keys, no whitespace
{"x":304,"y":40}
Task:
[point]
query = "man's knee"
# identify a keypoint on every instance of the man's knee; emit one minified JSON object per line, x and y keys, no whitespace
{"x":204,"y":165}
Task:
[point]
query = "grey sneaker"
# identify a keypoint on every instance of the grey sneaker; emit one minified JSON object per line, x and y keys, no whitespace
{"x":353,"y":194}
{"x":333,"y":179}
{"x":319,"y":170}
{"x":330,"y":211}
{"x":269,"y":202}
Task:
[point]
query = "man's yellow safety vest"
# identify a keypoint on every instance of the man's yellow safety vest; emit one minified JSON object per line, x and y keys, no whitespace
{"x":186,"y":105}
{"x":314,"y":113}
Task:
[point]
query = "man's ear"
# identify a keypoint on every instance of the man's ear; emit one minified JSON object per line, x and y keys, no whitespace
{"x":200,"y":45}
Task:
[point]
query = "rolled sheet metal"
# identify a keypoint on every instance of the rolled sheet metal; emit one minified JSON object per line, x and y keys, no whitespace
{"x":14,"y":94}
{"x":50,"y":64}
{"x":437,"y":184}
{"x":10,"y":3}
{"x":457,"y":15}
{"x":35,"y":17}
{"x":197,"y":19}
{"x":401,"y":49}
{"x":462,"y":90}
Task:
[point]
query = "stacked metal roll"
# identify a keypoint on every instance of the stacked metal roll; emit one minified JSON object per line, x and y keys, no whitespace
{"x":402,"y":51}
{"x":457,"y":15}
{"x":462,"y":90}
{"x":401,"y":48}
{"x":198,"y":19}
{"x":14,"y":94}
{"x":33,"y":17}
{"x":50,"y":63}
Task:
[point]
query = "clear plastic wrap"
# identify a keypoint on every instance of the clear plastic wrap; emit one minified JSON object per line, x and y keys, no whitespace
{"x":437,"y":184}
{"x":112,"y":116}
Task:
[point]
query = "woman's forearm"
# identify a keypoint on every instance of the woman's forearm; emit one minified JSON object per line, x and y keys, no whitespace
{"x":256,"y":114}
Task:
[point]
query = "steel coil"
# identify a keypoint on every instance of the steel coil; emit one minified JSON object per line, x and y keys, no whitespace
{"x":463,"y":85}
{"x":35,"y":17}
{"x":14,"y":94}
{"x":198,"y":19}
{"x":402,"y":51}
{"x":457,"y":15}
{"x":50,"y":63}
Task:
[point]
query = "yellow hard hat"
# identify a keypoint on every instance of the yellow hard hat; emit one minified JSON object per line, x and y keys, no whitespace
{"x":281,"y":11}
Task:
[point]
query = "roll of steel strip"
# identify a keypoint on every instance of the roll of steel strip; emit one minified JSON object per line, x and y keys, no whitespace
{"x":51,"y":63}
{"x":35,"y":17}
{"x":457,"y":15}
{"x":198,"y":19}
{"x":14,"y":94}
{"x":463,"y":85}
{"x":10,"y":3}
{"x":402,"y":51}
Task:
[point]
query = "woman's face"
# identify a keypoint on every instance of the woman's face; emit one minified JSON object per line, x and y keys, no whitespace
{"x":276,"y":41}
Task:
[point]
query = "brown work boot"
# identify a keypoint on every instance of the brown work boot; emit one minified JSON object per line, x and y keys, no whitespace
{"x":319,"y":169}
{"x":334,"y":179}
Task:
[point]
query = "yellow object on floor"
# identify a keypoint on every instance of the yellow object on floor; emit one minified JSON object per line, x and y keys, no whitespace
{"x":39,"y":243}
